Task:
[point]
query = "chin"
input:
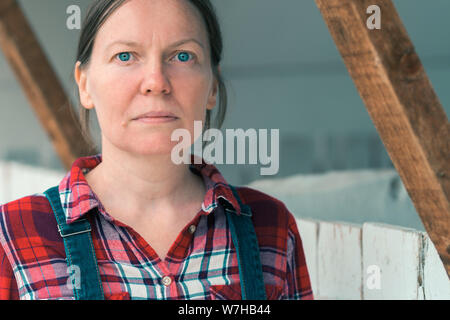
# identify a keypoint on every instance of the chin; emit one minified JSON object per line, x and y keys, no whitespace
{"x":156,"y":147}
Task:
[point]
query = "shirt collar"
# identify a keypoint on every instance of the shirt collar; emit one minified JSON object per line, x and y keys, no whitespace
{"x":77,"y":198}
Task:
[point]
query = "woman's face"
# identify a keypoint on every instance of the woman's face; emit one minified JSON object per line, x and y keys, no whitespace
{"x":149,"y":55}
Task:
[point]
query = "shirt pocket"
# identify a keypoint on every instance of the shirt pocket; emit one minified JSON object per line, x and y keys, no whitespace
{"x":233,"y":292}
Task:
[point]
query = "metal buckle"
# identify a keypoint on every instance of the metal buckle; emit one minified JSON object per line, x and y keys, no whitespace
{"x":245,"y":213}
{"x":74,"y":233}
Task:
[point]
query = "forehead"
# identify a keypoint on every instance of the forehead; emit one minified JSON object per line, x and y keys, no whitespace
{"x":147,"y":19}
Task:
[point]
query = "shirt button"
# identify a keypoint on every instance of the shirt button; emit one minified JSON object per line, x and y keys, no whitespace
{"x":192,"y":229}
{"x":166,"y":281}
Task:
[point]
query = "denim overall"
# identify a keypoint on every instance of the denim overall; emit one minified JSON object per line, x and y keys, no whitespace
{"x":80,"y":251}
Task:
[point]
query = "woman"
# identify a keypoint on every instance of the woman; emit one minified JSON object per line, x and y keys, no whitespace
{"x":129,"y":223}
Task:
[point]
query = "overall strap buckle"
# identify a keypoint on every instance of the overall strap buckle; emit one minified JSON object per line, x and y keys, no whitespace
{"x":80,"y":253}
{"x":63,"y":235}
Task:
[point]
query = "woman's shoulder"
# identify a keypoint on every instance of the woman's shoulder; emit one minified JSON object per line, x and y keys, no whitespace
{"x":25,"y":204}
{"x":27,"y":222}
{"x":265,"y":208}
{"x":250,"y":195}
{"x":24,"y":211}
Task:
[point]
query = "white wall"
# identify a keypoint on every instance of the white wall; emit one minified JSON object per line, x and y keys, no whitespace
{"x":355,"y":196}
{"x":18,"y":180}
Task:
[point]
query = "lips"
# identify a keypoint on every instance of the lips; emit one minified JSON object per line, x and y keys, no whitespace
{"x":156,"y":114}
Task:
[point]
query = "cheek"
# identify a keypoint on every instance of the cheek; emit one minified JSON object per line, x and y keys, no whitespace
{"x":111,"y":87}
{"x":192,"y":90}
{"x":111,"y":91}
{"x":192,"y":95}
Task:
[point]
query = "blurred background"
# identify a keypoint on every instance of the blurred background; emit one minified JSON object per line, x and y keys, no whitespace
{"x":283,"y":71}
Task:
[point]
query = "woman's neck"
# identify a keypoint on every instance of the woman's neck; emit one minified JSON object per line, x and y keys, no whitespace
{"x":144,"y":186}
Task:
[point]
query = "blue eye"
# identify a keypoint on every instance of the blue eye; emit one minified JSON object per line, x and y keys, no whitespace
{"x":124,"y":56}
{"x":183,"y":56}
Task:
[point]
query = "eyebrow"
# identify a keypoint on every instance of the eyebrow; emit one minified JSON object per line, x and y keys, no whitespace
{"x":136,"y":44}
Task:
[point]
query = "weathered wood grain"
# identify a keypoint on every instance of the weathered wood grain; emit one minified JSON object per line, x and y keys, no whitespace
{"x":339,"y":261}
{"x":402,"y":104}
{"x":40,"y":83}
{"x":396,"y":252}
{"x":308,"y":230}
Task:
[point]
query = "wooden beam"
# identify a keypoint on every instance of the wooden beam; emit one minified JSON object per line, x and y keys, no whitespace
{"x":40,"y":83}
{"x":402,"y":104}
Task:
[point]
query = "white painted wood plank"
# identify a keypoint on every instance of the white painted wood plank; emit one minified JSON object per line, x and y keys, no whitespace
{"x":395,"y":252}
{"x":339,"y":261}
{"x":308,"y":230}
{"x":27,"y":180}
{"x":436,"y":282}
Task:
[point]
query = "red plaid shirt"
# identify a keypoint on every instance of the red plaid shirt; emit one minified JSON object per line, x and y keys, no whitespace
{"x":201,"y":264}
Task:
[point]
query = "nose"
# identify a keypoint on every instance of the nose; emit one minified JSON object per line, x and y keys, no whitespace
{"x":155,"y":80}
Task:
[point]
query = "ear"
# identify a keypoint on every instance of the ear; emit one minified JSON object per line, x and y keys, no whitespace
{"x":81,"y":80}
{"x":213,"y":96}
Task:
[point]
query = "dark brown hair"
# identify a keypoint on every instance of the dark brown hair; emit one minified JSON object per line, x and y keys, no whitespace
{"x":99,"y":12}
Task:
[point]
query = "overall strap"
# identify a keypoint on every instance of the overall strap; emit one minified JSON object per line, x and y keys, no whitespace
{"x":80,"y":255}
{"x":247,"y":249}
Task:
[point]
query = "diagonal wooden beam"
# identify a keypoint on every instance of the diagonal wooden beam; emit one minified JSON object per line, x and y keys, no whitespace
{"x":40,"y":83}
{"x":402,"y":104}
